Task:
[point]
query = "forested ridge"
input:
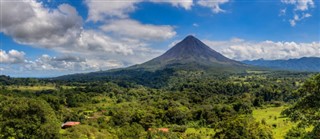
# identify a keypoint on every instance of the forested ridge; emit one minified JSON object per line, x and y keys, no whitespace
{"x":190,"y":104}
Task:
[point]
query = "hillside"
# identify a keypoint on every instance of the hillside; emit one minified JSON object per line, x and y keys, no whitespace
{"x":311,"y":64}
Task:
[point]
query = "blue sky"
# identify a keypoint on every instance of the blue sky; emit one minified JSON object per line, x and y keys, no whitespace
{"x":57,"y":37}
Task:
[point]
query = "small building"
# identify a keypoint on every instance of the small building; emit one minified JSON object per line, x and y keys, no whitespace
{"x":69,"y":124}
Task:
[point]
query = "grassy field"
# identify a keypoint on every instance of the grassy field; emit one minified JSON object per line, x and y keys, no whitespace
{"x":36,"y":87}
{"x":31,"y":88}
{"x":280,"y":125}
{"x":205,"y":133}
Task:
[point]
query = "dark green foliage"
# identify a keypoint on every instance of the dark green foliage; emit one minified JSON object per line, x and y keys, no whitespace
{"x":131,"y":131}
{"x":306,"y":109}
{"x":24,"y":118}
{"x":296,"y":133}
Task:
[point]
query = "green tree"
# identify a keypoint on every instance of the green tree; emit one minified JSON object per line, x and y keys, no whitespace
{"x":244,"y":127}
{"x":306,"y":110}
{"x":24,"y":118}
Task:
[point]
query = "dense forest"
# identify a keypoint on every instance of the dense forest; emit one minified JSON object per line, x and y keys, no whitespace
{"x":176,"y":104}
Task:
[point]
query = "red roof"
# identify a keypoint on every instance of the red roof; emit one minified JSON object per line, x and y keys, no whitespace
{"x":159,"y":129}
{"x":69,"y":124}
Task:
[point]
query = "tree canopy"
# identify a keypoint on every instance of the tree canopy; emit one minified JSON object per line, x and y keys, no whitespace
{"x":25,"y":118}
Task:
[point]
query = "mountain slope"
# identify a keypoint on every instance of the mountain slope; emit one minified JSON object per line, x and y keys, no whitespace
{"x":190,"y":53}
{"x":301,"y":64}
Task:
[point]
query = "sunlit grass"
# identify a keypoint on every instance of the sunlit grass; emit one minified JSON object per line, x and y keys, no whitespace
{"x":205,"y":133}
{"x":272,"y":115}
{"x":31,"y":88}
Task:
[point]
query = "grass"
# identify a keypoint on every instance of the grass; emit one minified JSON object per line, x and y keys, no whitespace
{"x":272,"y":116}
{"x":205,"y":133}
{"x":31,"y":88}
{"x":37,"y":87}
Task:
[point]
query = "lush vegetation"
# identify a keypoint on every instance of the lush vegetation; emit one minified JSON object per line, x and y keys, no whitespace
{"x":190,"y":104}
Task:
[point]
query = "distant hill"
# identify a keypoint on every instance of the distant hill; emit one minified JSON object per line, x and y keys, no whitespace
{"x":192,"y":54}
{"x":302,"y":64}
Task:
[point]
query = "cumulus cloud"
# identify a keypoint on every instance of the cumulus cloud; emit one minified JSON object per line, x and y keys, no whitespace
{"x":301,"y":7}
{"x":135,"y":29}
{"x":61,"y":29}
{"x":15,"y":62}
{"x":64,"y":63}
{"x":99,"y":10}
{"x":29,"y":22}
{"x":12,"y":57}
{"x":214,"y":4}
{"x":186,"y":4}
{"x":240,"y":49}
{"x":94,"y":41}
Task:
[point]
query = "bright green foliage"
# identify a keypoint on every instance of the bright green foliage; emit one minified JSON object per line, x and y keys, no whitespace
{"x":85,"y":132}
{"x":244,"y":127}
{"x":271,"y":116}
{"x":24,"y":118}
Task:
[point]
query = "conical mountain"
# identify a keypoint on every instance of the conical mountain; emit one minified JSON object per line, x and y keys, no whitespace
{"x":190,"y":53}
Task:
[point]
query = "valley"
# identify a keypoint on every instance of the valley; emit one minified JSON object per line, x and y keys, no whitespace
{"x":190,"y":107}
{"x":191,"y":91}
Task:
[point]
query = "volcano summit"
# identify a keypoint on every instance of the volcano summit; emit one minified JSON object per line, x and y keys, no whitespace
{"x":190,"y":53}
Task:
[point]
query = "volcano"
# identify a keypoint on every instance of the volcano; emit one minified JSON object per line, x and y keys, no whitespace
{"x":190,"y":53}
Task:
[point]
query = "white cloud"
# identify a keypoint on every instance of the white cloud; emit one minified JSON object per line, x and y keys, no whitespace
{"x":11,"y":57}
{"x":186,"y":4}
{"x":292,"y":22}
{"x":99,"y":10}
{"x":247,"y":50}
{"x":28,"y":22}
{"x":301,"y":6}
{"x":213,"y":4}
{"x":64,"y":63}
{"x":306,"y":15}
{"x":297,"y":18}
{"x":283,"y":12}
{"x":94,"y":41}
{"x":134,"y":29}
{"x":61,"y":30}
